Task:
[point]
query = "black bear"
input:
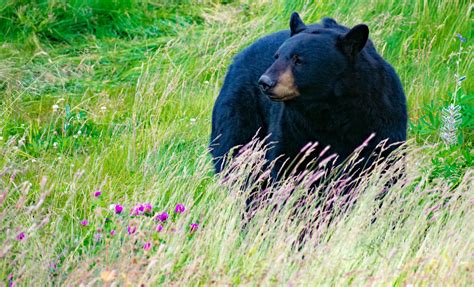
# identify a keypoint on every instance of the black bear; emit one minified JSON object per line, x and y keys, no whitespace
{"x":321,"y":83}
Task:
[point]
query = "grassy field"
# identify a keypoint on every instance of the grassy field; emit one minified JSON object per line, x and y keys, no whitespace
{"x":116,"y":96}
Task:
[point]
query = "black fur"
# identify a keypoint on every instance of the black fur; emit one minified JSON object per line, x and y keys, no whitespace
{"x":347,"y":92}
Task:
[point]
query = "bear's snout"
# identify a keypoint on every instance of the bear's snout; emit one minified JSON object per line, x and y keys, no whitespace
{"x":265,"y":83}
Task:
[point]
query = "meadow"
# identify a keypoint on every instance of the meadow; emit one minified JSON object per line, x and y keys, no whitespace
{"x":105,"y":177}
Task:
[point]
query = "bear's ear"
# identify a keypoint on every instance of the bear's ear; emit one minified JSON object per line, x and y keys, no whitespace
{"x":296,"y":24}
{"x":328,"y":22}
{"x":354,"y":40}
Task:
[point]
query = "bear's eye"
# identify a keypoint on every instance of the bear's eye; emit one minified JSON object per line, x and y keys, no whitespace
{"x":276,"y":56}
{"x":296,"y":59}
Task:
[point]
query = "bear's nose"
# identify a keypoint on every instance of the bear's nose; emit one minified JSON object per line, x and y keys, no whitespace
{"x":266,"y":83}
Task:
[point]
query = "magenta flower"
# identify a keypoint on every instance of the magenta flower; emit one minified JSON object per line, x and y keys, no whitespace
{"x":20,"y":236}
{"x":112,"y":232}
{"x":159,"y":228}
{"x":137,"y":210}
{"x":179,"y":208}
{"x":162,"y":216}
{"x":84,"y":222}
{"x":118,"y":209}
{"x":97,"y":193}
{"x":194,"y":227}
{"x":134,"y":212}
{"x":131,"y":229}
{"x":147,"y":246}
{"x":148,"y":207}
{"x":97,"y":237}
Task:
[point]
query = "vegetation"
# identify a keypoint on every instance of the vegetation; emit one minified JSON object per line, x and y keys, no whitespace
{"x":116,"y":96}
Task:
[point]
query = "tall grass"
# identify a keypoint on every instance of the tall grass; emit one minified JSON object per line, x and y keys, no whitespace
{"x":131,"y":118}
{"x":420,"y":234}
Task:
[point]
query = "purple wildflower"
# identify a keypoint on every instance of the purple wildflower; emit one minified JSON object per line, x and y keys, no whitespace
{"x":97,"y":237}
{"x":148,"y":207}
{"x":112,"y":232}
{"x":162,"y":216}
{"x":461,"y":38}
{"x":97,"y":193}
{"x":194,"y":227}
{"x":20,"y":236}
{"x":84,"y":222}
{"x":134,"y":212}
{"x":159,"y":228}
{"x":10,"y":280}
{"x":131,"y":229}
{"x":137,"y":210}
{"x":147,"y":246}
{"x":179,"y":208}
{"x":118,"y":209}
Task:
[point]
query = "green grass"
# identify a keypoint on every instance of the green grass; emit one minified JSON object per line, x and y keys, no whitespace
{"x":134,"y":83}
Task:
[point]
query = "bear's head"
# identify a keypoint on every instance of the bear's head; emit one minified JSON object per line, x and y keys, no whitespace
{"x":309,"y":63}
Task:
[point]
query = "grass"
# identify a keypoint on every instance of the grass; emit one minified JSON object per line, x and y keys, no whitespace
{"x":134,"y":83}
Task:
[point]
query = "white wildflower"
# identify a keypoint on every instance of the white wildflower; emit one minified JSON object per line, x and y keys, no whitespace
{"x":451,"y":115}
{"x":451,"y":119}
{"x":55,"y":108}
